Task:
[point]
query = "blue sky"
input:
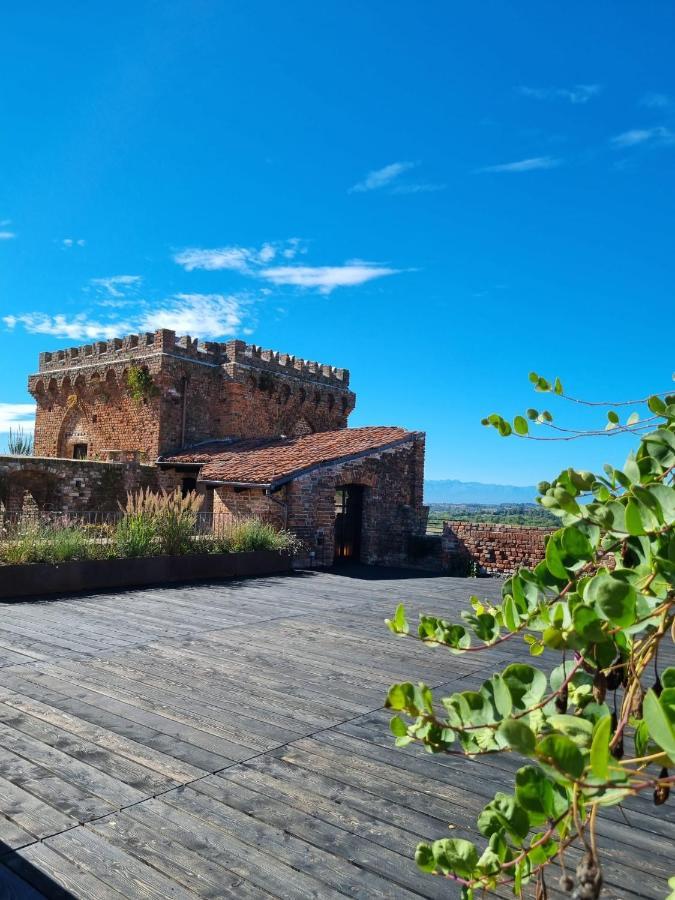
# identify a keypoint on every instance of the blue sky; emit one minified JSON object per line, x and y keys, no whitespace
{"x":438,"y":196}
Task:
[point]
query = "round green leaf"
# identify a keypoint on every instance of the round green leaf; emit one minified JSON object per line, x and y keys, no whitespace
{"x":613,"y":598}
{"x":561,"y":752}
{"x":518,"y":736}
{"x":520,"y":425}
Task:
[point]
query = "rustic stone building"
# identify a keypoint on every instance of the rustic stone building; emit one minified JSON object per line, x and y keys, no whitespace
{"x":258,"y":432}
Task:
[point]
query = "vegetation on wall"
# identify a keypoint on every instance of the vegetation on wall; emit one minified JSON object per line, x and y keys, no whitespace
{"x":140,"y":384}
{"x":596,"y":724}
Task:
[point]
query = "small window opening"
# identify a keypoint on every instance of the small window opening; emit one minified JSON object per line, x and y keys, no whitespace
{"x":80,"y":451}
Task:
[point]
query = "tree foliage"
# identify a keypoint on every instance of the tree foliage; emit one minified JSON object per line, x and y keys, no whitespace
{"x":599,"y":725}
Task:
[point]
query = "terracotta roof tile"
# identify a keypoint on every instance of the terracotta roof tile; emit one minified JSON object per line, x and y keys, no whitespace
{"x":269,"y":461}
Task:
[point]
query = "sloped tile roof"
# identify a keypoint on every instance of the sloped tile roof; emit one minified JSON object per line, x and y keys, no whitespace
{"x":270,"y":461}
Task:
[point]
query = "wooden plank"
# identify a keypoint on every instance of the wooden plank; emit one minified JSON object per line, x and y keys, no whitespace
{"x":331,"y":846}
{"x":81,"y":774}
{"x":94,"y":755}
{"x":47,"y":786}
{"x":122,"y":719}
{"x":146,"y":842}
{"x":56,"y":877}
{"x":159,"y":762}
{"x":237,"y":811}
{"x":114,"y":867}
{"x":31,"y":814}
{"x":253,"y":864}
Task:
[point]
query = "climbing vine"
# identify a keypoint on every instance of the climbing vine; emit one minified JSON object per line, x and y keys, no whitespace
{"x":595,"y":724}
{"x":140,"y":384}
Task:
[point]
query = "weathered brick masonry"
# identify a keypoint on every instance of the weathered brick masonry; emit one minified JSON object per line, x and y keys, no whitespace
{"x":198,"y":392}
{"x":70,"y":485}
{"x":256,"y":431}
{"x":392,"y":485}
{"x":497,"y":549}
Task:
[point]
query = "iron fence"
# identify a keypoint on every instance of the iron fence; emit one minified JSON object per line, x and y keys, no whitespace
{"x":16,"y":522}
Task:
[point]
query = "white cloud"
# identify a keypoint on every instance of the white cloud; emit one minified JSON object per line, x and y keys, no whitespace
{"x":116,"y":285}
{"x":380,"y":178}
{"x":657,"y":135}
{"x":656,"y":101}
{"x":16,"y":415}
{"x":524,"y":165}
{"x":203,"y":315}
{"x":326,"y":278}
{"x":579,"y":93}
{"x":76,"y":328}
{"x":237,"y":259}
{"x":418,"y":188}
{"x":73,"y":242}
{"x":7,"y":235}
{"x":200,"y":315}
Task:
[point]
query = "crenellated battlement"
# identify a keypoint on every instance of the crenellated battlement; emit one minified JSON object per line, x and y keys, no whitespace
{"x":164,"y":341}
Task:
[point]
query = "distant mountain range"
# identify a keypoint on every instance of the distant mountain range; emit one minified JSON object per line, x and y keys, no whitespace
{"x":451,"y":491}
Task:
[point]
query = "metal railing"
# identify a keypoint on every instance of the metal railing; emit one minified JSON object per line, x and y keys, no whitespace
{"x":15,"y":522}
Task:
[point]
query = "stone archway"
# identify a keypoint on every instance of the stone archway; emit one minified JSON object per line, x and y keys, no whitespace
{"x":29,"y":489}
{"x":75,"y":437}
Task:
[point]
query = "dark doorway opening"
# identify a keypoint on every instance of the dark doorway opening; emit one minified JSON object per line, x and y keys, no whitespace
{"x":80,"y":451}
{"x":189,"y":484}
{"x":348,"y":519}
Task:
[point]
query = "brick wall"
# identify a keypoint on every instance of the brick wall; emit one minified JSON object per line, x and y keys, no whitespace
{"x":392,"y":482}
{"x":497,"y":549}
{"x":70,"y":485}
{"x":200,"y":391}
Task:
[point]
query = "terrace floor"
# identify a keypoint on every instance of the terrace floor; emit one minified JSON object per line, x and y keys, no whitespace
{"x":228,"y":740}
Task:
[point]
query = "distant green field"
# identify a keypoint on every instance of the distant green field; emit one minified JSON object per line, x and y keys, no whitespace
{"x":502,"y":513}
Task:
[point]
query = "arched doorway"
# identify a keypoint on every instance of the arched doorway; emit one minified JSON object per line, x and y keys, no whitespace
{"x":348,"y":522}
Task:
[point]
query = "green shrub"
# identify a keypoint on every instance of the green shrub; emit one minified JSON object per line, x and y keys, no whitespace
{"x":134,"y":536}
{"x":49,"y":544}
{"x":245,"y":535}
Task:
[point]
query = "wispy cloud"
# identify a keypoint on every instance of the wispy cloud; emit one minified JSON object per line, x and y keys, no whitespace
{"x":656,"y":101}
{"x":418,"y":188}
{"x":255,"y":263}
{"x":73,"y":242}
{"x":77,"y":328}
{"x":234,"y":258}
{"x":116,"y":285}
{"x":5,"y":233}
{"x":16,"y":415}
{"x":381,"y":178}
{"x":579,"y":93}
{"x":326,"y":278}
{"x":659,"y":135}
{"x":202,"y":315}
{"x":524,"y":165}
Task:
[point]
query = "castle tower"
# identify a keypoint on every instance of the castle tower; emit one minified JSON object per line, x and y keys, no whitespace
{"x":155,"y":394}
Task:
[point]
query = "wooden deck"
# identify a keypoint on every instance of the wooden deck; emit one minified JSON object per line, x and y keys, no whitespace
{"x":228,"y":740}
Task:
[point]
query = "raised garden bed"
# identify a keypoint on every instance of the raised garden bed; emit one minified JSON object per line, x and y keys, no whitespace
{"x":43,"y":579}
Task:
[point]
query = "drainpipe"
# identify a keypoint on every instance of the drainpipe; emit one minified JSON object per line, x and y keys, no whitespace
{"x":184,"y":413}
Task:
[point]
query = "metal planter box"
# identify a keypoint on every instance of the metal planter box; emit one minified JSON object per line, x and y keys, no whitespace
{"x":43,"y":579}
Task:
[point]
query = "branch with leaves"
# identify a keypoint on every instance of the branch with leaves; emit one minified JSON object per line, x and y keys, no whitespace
{"x":603,"y":600}
{"x":520,"y":426}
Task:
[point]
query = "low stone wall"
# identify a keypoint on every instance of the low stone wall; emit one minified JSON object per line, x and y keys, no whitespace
{"x":69,"y":485}
{"x":497,"y":549}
